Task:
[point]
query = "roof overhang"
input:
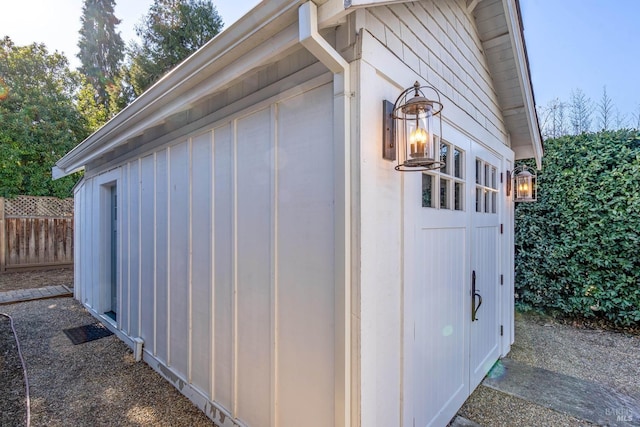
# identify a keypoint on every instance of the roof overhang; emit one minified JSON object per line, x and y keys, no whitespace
{"x":264,"y":34}
{"x":268,"y":32}
{"x":500,"y":30}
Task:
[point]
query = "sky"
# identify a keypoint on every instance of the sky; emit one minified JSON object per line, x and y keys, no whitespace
{"x":584,"y":44}
{"x":572,"y":44}
{"x":56,"y":22}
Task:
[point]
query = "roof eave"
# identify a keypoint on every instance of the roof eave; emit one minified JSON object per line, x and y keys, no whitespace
{"x":514,"y":23}
{"x":152,"y":100}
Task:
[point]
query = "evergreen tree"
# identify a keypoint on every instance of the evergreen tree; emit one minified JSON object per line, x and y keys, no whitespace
{"x":101,"y":47}
{"x":170,"y":32}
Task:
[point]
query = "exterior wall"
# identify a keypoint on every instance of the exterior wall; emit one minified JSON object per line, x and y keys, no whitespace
{"x":437,"y":40}
{"x":226,"y":259}
{"x":433,"y":42}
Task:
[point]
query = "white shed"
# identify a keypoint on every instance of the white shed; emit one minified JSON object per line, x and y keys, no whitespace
{"x":239,"y":224}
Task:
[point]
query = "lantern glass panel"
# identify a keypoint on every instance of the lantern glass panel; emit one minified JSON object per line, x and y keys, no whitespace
{"x":418,"y":127}
{"x":419,"y":138}
{"x":524,"y":186}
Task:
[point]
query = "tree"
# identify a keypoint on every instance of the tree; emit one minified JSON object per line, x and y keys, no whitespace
{"x":553,"y":118}
{"x":94,"y":113}
{"x":170,"y":32}
{"x":39,"y":121}
{"x":120,"y":92}
{"x":620,"y":120}
{"x":101,"y":48}
{"x":636,"y":117}
{"x":605,"y":111}
{"x":580,"y":110}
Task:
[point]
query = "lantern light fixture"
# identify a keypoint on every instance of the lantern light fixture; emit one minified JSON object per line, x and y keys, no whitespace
{"x":412,"y":129}
{"x":525,"y":185}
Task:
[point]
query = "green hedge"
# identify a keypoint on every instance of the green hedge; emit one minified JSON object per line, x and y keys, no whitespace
{"x":578,"y":247}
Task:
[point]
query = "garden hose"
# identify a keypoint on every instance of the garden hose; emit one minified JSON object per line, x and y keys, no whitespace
{"x":24,"y":368}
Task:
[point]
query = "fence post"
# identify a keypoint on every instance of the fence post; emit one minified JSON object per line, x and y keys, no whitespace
{"x":3,"y":238}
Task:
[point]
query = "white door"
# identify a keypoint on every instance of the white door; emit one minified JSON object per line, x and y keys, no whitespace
{"x":485,"y":257}
{"x":448,"y":236}
{"x":436,"y":365}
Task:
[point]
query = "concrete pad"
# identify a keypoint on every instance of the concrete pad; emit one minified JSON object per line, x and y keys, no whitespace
{"x":10,"y":297}
{"x":579,"y":398}
{"x":459,"y":421}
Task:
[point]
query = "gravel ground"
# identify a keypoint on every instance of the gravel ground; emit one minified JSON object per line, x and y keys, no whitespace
{"x":607,"y":357}
{"x":35,"y":279}
{"x":491,"y":408}
{"x":12,"y":390}
{"x":98,"y":383}
{"x":92,"y":384}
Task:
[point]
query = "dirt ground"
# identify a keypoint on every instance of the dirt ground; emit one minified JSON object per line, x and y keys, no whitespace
{"x":36,"y":279}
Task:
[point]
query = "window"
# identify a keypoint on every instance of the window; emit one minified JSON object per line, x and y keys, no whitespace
{"x":427,"y":191}
{"x":444,"y":188}
{"x":486,"y":187}
{"x":444,"y":193}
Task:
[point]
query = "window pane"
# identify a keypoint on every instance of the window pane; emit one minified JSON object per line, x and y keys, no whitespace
{"x":494,"y":202}
{"x":494,"y":178}
{"x":444,"y":193}
{"x":427,"y":191}
{"x":487,"y":178}
{"x":457,"y":163}
{"x":487,"y":201}
{"x":444,"y":154}
{"x":478,"y":200}
{"x":457,"y":196}
{"x":478,"y":172}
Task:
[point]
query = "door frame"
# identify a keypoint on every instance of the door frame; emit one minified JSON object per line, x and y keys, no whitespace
{"x":105,"y":184}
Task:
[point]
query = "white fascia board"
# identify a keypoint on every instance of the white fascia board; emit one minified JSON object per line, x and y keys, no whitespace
{"x":56,"y":172}
{"x":522,"y":68}
{"x":150,"y":108}
{"x":367,"y":3}
{"x":333,"y":12}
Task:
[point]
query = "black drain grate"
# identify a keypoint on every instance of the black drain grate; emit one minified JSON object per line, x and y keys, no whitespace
{"x":86,"y":333}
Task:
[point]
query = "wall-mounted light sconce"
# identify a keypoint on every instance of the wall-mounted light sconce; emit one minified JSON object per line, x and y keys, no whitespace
{"x":525,"y":188}
{"x":412,"y":128}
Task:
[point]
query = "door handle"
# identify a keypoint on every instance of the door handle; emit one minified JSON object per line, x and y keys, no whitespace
{"x":474,"y":294}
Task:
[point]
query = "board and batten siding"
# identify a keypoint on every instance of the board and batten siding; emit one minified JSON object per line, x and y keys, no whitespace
{"x":436,"y":39}
{"x":226,"y":261}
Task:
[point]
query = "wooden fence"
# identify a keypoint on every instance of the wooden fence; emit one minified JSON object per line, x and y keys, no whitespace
{"x":35,"y":233}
